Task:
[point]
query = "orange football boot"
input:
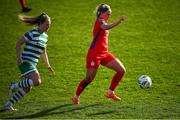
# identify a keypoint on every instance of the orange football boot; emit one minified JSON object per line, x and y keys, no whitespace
{"x":75,"y":100}
{"x":113,"y":96}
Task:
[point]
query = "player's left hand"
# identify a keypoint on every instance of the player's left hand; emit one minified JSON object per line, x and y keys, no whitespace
{"x":51,"y":71}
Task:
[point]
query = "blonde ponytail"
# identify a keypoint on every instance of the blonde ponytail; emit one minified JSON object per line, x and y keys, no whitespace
{"x":34,"y":20}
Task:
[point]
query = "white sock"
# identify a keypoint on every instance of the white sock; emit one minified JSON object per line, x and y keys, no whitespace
{"x":110,"y":91}
{"x":8,"y":104}
{"x":17,"y":96}
{"x":76,"y":96}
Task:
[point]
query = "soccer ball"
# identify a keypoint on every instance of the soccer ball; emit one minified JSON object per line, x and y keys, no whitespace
{"x":144,"y":81}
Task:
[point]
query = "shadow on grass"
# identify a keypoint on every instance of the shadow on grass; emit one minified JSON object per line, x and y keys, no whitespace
{"x":102,"y":113}
{"x":50,"y":111}
{"x":2,"y":110}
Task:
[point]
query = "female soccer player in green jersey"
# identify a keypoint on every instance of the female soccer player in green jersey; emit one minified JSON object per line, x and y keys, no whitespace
{"x":35,"y":45}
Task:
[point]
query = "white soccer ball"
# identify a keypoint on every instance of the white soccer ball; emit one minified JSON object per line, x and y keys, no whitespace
{"x":144,"y":81}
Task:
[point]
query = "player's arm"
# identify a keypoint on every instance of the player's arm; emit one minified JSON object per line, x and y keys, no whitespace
{"x":46,"y":60}
{"x":106,"y":26}
{"x":19,"y":43}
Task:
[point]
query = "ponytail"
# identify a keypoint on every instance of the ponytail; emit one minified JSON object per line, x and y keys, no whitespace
{"x":34,"y":20}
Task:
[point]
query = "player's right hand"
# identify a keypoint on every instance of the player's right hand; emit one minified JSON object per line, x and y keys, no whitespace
{"x":19,"y":61}
{"x":122,"y":19}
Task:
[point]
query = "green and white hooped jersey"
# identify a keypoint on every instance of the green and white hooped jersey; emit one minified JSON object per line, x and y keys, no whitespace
{"x":35,"y":46}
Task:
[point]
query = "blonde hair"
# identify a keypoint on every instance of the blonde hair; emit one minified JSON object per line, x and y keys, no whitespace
{"x":102,"y":8}
{"x":34,"y":20}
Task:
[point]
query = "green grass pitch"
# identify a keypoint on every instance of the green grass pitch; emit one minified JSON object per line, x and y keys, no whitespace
{"x":147,"y":43}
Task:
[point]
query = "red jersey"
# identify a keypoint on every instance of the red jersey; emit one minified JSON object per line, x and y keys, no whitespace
{"x":99,"y":43}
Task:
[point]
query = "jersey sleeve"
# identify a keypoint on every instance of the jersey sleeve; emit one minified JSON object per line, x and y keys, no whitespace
{"x":103,"y":24}
{"x":28,"y":36}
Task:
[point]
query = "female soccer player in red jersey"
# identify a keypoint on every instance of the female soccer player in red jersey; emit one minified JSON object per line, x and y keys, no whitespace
{"x":98,"y":54}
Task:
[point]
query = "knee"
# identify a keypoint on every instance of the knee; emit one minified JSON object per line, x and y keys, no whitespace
{"x":37,"y":82}
{"x":122,"y":70}
{"x":89,"y":79}
{"x":86,"y":82}
{"x":35,"y":77}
